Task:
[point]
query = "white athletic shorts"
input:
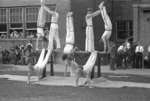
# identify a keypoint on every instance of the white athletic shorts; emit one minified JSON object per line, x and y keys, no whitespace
{"x":68,"y":48}
{"x":40,"y":31}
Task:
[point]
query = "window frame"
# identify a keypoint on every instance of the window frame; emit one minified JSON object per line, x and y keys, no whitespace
{"x":126,"y":28}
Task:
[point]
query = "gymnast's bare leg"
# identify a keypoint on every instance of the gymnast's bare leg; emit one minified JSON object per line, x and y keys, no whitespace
{"x":108,"y":27}
{"x":41,"y":23}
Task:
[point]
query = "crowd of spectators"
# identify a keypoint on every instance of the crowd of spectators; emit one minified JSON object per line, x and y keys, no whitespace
{"x":17,"y":55}
{"x":18,"y":34}
{"x":136,"y":56}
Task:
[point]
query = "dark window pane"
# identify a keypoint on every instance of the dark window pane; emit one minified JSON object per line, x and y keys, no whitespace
{"x":3,"y":27}
{"x":16,"y":25}
{"x":124,"y":29}
{"x":31,"y":25}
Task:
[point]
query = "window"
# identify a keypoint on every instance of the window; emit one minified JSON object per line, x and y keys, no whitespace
{"x":16,"y":15}
{"x":3,"y":13}
{"x":124,"y":29}
{"x":21,"y":20}
{"x":31,"y":14}
{"x":3,"y":28}
{"x":3,"y":23}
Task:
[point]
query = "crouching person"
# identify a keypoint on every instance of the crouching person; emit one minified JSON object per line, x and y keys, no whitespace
{"x":80,"y":70}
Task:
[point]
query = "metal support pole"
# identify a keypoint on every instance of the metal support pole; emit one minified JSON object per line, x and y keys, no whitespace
{"x":92,"y":72}
{"x":51,"y":66}
{"x":98,"y":65}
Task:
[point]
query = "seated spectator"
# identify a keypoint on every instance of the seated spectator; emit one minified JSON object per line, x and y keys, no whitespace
{"x":29,"y":44}
{"x":22,"y":53}
{"x":3,"y":36}
{"x":12,"y":35}
{"x":16,"y":34}
{"x":21,"y":34}
{"x":31,"y":35}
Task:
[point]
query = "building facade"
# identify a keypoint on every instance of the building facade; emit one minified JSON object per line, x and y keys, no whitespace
{"x":129,"y":18}
{"x":21,"y":17}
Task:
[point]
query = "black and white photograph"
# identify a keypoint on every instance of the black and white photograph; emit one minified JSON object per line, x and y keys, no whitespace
{"x":74,"y":50}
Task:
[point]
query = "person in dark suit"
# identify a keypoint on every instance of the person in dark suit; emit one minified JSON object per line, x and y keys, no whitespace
{"x":139,"y":55}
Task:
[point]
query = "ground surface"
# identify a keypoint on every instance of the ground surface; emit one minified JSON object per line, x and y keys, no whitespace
{"x":20,"y":91}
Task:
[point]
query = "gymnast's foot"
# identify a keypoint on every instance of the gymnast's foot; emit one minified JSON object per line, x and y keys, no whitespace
{"x":101,"y":5}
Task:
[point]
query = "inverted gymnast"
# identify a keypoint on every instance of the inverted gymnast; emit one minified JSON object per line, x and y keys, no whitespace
{"x":108,"y":27}
{"x":69,"y":45}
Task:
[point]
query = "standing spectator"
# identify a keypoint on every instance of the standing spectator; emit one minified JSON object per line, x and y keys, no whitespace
{"x":139,"y":55}
{"x":113,"y":54}
{"x":22,"y":53}
{"x":17,"y":55}
{"x":120,"y":56}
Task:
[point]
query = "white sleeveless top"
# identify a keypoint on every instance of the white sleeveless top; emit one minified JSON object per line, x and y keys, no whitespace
{"x":139,"y":48}
{"x":54,"y":18}
{"x":89,"y":20}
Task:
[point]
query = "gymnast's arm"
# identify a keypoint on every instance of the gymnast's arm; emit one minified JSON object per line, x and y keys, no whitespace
{"x":49,"y":11}
{"x":96,"y":13}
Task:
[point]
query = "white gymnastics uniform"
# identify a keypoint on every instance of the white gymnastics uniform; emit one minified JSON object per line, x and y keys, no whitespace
{"x":54,"y":29}
{"x":90,"y":62}
{"x":108,"y":25}
{"x":89,"y":41}
{"x":45,"y":61}
{"x":69,"y":36}
{"x":40,"y":60}
{"x":41,"y":21}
